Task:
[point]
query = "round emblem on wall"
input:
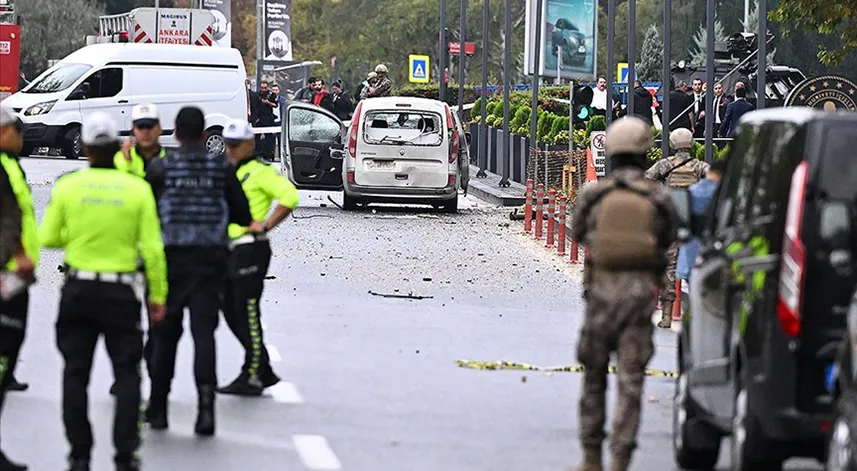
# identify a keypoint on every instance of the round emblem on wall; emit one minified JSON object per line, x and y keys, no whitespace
{"x":402,"y":152}
{"x":827,"y":92}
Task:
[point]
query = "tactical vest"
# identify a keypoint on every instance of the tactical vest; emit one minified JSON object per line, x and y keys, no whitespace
{"x":682,"y":176}
{"x":29,"y":229}
{"x":193,"y":207}
{"x":624,"y":236}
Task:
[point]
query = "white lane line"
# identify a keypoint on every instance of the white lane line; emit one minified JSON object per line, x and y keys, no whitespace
{"x":273,"y":354}
{"x":316,"y":453}
{"x":284,"y":393}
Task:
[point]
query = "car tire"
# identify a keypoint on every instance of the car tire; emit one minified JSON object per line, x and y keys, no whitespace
{"x":842,"y":449}
{"x":747,"y":442}
{"x":696,"y":444}
{"x":451,"y":206}
{"x":214,"y":142}
{"x":71,"y":143}
{"x":349,"y":203}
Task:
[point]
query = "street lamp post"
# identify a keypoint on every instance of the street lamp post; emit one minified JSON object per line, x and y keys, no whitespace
{"x":443,"y":52}
{"x":665,"y":89}
{"x":762,"y":61}
{"x":709,"y":81}
{"x":632,"y":55}
{"x":537,"y":61}
{"x":507,"y":83}
{"x":483,"y":129}
{"x":611,"y":57}
{"x":461,"y":37}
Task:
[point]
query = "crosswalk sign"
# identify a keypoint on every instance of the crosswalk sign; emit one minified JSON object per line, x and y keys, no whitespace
{"x":622,"y":72}
{"x":418,"y":70}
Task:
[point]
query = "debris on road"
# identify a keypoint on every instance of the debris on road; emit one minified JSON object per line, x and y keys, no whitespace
{"x":509,"y":365}
{"x":400,"y":296}
{"x":335,"y":203}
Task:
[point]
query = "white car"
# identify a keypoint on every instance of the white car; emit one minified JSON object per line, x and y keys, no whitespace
{"x":114,"y":77}
{"x":399,"y":150}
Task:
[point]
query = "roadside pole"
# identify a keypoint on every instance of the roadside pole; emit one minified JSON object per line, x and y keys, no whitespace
{"x":665,"y":81}
{"x":709,"y":81}
{"x":462,"y":34}
{"x":507,"y":83}
{"x":537,"y":62}
{"x":483,"y":129}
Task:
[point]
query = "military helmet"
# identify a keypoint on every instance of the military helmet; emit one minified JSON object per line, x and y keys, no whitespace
{"x":681,"y":139}
{"x":371,"y":75}
{"x":381,"y":69}
{"x":628,"y":135}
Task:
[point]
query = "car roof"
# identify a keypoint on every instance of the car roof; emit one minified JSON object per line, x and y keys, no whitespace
{"x":417,"y":103}
{"x":799,"y":115}
{"x":96,"y":54}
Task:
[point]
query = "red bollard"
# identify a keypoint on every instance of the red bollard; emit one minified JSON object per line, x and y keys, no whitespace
{"x":575,"y":252}
{"x":551,"y":217}
{"x":676,"y":314}
{"x":560,"y":239}
{"x":540,"y":213}
{"x":528,"y":208}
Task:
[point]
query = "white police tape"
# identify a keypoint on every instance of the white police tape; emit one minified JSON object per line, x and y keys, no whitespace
{"x":268,"y":130}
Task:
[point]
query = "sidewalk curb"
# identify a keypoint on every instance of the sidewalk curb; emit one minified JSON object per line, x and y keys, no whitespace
{"x":488,"y":189}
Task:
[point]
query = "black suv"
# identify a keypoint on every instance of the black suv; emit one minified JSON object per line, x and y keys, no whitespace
{"x":768,"y":296}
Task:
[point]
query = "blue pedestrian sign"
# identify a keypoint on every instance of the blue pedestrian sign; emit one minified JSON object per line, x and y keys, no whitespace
{"x":622,"y":72}
{"x":418,"y":69}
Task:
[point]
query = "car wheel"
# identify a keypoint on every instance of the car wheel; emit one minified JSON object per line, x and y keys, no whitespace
{"x":214,"y":142}
{"x":841,"y":455}
{"x":349,"y":203}
{"x":747,"y":443}
{"x":696,"y":445}
{"x":451,"y":206}
{"x":72,"y":143}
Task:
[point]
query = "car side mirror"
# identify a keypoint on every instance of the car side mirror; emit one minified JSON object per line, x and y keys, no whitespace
{"x":836,"y":233}
{"x":681,"y":204}
{"x":468,"y":137}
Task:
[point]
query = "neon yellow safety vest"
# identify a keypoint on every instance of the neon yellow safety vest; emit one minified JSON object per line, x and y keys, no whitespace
{"x":137,"y":165}
{"x":29,"y":230}
{"x":262,"y":185}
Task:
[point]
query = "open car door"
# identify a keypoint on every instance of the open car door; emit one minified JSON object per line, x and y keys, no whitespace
{"x":312,"y":148}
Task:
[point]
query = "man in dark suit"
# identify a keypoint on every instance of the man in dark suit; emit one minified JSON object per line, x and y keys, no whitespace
{"x":720,"y":102}
{"x":679,"y":104}
{"x":734,"y":112}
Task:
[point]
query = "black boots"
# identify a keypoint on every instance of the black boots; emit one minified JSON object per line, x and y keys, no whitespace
{"x":245,"y":386}
{"x":78,"y":464}
{"x":205,"y":413}
{"x":8,"y":465}
{"x":156,"y":411}
{"x":16,"y":385}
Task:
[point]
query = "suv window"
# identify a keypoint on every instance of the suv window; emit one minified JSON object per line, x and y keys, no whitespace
{"x":105,"y":83}
{"x":737,"y":183}
{"x":838,"y":167}
{"x":307,"y":125}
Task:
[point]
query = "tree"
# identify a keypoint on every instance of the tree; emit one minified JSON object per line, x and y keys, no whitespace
{"x":54,"y":29}
{"x":835,"y":19}
{"x":650,"y":67}
{"x":752,"y":25}
{"x":698,"y":56}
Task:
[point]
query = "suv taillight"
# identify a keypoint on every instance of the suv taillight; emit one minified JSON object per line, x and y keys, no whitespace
{"x":454,"y":139}
{"x":793,"y":263}
{"x":355,"y":128}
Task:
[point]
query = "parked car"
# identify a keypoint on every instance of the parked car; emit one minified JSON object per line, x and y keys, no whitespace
{"x":573,"y":43}
{"x":405,"y":150}
{"x":768,"y":295}
{"x":114,"y":77}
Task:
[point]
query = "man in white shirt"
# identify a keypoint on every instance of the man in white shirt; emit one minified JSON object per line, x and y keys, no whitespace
{"x":599,"y":96}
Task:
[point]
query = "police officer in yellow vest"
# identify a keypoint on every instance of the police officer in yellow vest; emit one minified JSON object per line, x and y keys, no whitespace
{"x":147,"y":131}
{"x":13,"y":311}
{"x":104,"y":219}
{"x":251,"y":256}
{"x":135,"y":158}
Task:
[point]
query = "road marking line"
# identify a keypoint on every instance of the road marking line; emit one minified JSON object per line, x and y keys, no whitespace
{"x":273,"y":354}
{"x":315,"y":452}
{"x":285,"y":393}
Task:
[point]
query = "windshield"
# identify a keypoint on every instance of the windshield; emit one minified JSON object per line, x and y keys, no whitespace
{"x":58,"y":79}
{"x":402,"y":128}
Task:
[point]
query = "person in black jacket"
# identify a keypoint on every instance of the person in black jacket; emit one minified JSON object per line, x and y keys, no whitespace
{"x":342,"y":106}
{"x":681,"y":111}
{"x":198,"y":195}
{"x":734,"y":112}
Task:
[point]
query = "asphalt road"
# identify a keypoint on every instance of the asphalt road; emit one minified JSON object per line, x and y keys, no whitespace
{"x":370,"y":382}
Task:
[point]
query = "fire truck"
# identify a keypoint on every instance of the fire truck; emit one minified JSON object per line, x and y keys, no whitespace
{"x":157,"y":25}
{"x":10,"y":49}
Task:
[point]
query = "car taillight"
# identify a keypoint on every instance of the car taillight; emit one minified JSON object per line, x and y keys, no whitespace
{"x":355,"y":127}
{"x":793,"y":265}
{"x":453,"y":131}
{"x":451,"y":180}
{"x":349,"y":175}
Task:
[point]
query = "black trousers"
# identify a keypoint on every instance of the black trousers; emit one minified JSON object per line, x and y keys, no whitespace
{"x":201,"y":292}
{"x":13,"y":324}
{"x":248,"y":266}
{"x":265,"y":146}
{"x":89,"y":309}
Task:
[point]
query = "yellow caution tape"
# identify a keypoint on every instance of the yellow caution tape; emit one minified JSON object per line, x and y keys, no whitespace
{"x":509,"y":365}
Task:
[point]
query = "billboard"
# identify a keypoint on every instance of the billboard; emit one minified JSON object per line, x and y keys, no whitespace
{"x":222,"y":11}
{"x":278,"y":30}
{"x":569,"y":39}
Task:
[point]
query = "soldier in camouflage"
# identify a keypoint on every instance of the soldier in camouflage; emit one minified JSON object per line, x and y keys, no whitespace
{"x":626,"y":223}
{"x":677,"y":171}
{"x":384,"y":86}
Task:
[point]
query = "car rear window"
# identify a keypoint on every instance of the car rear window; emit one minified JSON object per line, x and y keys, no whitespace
{"x":839,"y":162}
{"x":403,"y":128}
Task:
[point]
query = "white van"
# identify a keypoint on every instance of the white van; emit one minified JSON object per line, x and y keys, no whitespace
{"x":404,"y":150}
{"x":114,"y":77}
